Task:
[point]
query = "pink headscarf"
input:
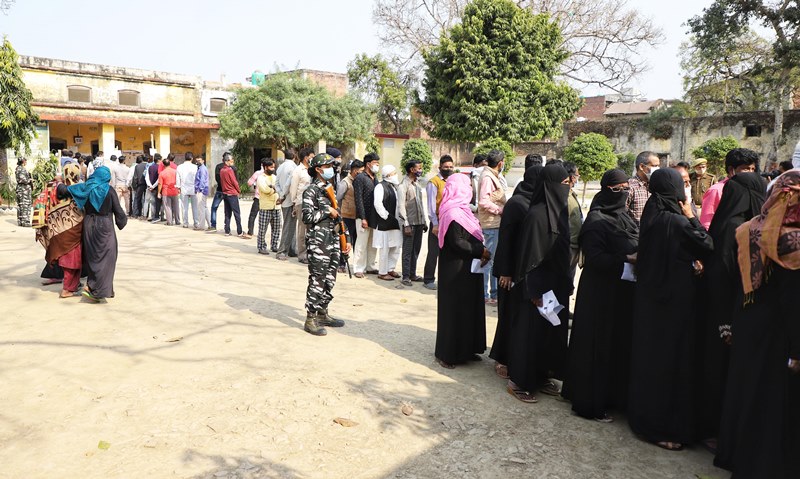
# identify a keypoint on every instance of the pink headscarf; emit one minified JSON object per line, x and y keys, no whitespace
{"x":455,"y":207}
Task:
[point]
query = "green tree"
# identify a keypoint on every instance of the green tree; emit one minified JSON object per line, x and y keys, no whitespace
{"x":419,"y":150}
{"x":593,"y":154}
{"x":287,"y":110}
{"x":382,"y":86}
{"x":722,"y":26}
{"x":492,"y":75}
{"x":17,"y":118}
{"x":714,"y":150}
{"x":43,"y":172}
{"x":497,"y":144}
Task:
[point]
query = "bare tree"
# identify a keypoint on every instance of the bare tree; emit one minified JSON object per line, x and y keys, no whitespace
{"x":5,"y":5}
{"x":605,"y":37}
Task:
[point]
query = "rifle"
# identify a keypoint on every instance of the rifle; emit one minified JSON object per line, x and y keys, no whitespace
{"x":342,"y":230}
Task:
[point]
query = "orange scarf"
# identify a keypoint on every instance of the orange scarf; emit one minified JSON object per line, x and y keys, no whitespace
{"x":773,"y":236}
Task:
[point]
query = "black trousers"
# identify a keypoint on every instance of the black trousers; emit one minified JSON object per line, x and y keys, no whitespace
{"x":433,"y":257}
{"x":351,"y":228}
{"x":412,"y":245}
{"x":232,"y":207}
{"x":138,"y":200}
{"x":251,"y":220}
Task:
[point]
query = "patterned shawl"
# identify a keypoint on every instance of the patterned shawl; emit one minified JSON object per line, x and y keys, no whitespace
{"x":63,"y":220}
{"x":773,"y":236}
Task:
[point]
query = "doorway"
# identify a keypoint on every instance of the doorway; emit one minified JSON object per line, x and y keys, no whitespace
{"x":258,"y":155}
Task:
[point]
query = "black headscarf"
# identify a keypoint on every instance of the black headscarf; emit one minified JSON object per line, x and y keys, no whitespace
{"x":529,"y":181}
{"x":610,"y":208}
{"x":666,"y":190}
{"x":661,"y":214}
{"x":742,"y":199}
{"x":545,"y":229}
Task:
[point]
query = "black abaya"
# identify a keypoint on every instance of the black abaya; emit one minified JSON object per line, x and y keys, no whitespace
{"x":742,"y":199}
{"x":664,"y":354}
{"x":600,"y":341}
{"x":760,"y":428}
{"x":100,"y":244}
{"x":461,"y":314}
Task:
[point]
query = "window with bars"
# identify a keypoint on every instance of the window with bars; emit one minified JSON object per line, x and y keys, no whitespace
{"x":218,"y":105}
{"x":128,"y":98}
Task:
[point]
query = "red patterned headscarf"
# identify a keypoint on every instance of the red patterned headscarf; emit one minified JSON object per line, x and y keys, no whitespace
{"x":773,"y":236}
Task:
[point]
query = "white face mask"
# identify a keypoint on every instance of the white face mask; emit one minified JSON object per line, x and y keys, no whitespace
{"x":376,"y":169}
{"x":392,"y":179}
{"x":653,"y":169}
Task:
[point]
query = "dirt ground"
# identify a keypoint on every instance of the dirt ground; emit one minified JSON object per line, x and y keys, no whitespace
{"x":199,"y":367}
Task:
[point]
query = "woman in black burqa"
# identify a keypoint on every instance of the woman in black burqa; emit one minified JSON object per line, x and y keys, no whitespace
{"x":742,"y":199}
{"x":600,"y":340}
{"x":664,"y":355}
{"x":534,"y":250}
{"x":505,"y":262}
{"x":760,"y":427}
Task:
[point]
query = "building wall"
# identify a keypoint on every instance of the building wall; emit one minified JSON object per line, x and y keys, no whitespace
{"x":630,"y":136}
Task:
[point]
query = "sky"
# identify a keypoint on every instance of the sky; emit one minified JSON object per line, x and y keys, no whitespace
{"x":237,"y":37}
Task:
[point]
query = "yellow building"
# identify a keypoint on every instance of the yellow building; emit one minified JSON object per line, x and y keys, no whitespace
{"x":89,"y":108}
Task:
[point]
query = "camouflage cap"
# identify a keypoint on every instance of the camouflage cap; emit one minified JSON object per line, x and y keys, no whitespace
{"x":321,"y":160}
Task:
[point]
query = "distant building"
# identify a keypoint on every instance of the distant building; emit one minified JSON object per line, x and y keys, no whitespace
{"x":593,"y":108}
{"x":636,"y":109}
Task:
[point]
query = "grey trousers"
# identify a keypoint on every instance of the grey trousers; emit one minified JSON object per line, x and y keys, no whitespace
{"x":287,"y":245}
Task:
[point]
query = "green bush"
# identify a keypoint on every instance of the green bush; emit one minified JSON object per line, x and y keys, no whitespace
{"x":419,"y":150}
{"x":44,"y":172}
{"x":714,"y":150}
{"x":593,"y":154}
{"x":373,"y":145}
{"x":497,"y":144}
{"x":626,"y":162}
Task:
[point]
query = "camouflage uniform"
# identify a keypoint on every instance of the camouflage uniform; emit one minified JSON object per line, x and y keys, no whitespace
{"x":24,"y":191}
{"x":324,"y":254}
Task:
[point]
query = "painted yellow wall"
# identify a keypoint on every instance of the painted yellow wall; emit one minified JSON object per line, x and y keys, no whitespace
{"x":163,"y":140}
{"x":107,"y":138}
{"x":67,"y":131}
{"x":392,"y":151}
{"x":195,"y":140}
{"x":52,"y":87}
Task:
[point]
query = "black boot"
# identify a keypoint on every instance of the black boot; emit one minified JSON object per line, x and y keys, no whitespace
{"x":312,"y":325}
{"x":324,"y":319}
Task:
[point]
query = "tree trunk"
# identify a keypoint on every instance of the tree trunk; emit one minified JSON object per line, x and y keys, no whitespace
{"x":583,"y":195}
{"x":777,"y":137}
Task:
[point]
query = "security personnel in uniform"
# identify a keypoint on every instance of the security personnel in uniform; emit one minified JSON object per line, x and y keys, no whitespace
{"x":701,"y":180}
{"x":322,"y":240}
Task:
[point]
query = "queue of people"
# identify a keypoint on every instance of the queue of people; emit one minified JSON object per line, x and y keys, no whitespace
{"x":644,"y":340}
{"x":689,"y":331}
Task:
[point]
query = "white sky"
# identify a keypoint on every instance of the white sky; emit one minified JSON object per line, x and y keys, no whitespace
{"x":236,"y":37}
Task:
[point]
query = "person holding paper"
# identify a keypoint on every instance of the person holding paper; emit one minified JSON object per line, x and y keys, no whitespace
{"x":600,"y":343}
{"x":665,"y":359}
{"x":460,"y":311}
{"x":760,"y":427}
{"x":534,"y":257}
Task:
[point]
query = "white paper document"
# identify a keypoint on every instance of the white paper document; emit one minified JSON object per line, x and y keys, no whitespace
{"x":628,"y":274}
{"x":550,"y":308}
{"x":477,"y":268}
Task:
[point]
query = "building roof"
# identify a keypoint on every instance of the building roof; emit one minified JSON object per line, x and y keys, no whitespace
{"x":633,"y":108}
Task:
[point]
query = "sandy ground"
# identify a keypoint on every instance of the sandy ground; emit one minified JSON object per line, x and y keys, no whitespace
{"x":200,"y":368}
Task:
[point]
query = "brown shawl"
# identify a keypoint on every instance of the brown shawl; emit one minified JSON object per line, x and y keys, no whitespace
{"x":63,"y":220}
{"x":773,"y":236}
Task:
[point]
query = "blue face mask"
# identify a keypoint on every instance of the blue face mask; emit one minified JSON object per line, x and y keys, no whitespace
{"x":327,"y":173}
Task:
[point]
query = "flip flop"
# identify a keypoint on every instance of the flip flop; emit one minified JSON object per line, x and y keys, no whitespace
{"x":445,"y":365}
{"x":550,"y":388}
{"x":86,"y":294}
{"x":669,"y":446}
{"x":523,"y":396}
{"x":501,"y":370}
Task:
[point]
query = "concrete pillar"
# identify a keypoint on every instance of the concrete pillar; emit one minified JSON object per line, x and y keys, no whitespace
{"x":163,"y":140}
{"x":322,"y":145}
{"x":107,"y":137}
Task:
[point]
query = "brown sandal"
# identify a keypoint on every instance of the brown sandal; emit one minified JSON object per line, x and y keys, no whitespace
{"x":523,"y":396}
{"x":445,"y":365}
{"x":501,"y":370}
{"x":385,"y":277}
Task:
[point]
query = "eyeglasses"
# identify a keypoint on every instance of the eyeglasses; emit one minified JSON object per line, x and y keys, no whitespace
{"x":619,"y":189}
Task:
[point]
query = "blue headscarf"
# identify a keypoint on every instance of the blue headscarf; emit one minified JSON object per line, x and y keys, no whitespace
{"x":93,"y":189}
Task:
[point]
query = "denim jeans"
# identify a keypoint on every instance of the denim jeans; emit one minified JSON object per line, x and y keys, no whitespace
{"x":214,"y":205}
{"x":489,"y":281}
